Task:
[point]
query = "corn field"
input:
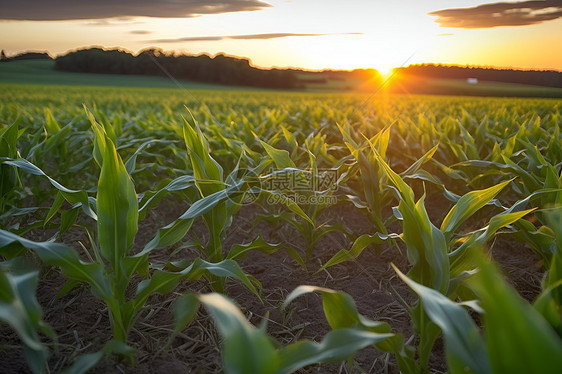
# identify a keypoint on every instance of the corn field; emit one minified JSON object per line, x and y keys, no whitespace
{"x":153,"y":230}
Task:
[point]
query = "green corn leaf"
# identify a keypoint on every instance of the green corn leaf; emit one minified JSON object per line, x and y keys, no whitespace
{"x":280,"y":156}
{"x":463,"y":343}
{"x":339,"y":308}
{"x":20,"y":309}
{"x":84,"y":362}
{"x":290,"y":138}
{"x":502,"y":220}
{"x":185,"y":309}
{"x":8,"y":148}
{"x":165,"y":281}
{"x":518,"y":338}
{"x":50,"y":123}
{"x":357,"y":248}
{"x":66,"y":259}
{"x":461,"y":259}
{"x":68,"y":217}
{"x":169,"y":234}
{"x":337,"y":345}
{"x":259,"y":244}
{"x":277,"y":197}
{"x":72,"y":196}
{"x":419,"y":162}
{"x":341,"y":312}
{"x":245,"y":348}
{"x":205,"y":168}
{"x":57,"y":204}
{"x":467,"y":206}
{"x":117,"y":205}
{"x":151,"y":199}
{"x":131,"y":162}
{"x":404,"y":190}
{"x":175,"y":231}
{"x":547,"y":305}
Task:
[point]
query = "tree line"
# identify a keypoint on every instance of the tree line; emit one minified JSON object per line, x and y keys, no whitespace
{"x":219,"y":69}
{"x":25,"y":56}
{"x":547,"y":78}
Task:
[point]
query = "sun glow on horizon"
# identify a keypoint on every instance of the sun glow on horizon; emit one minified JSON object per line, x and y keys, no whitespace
{"x":385,"y":71}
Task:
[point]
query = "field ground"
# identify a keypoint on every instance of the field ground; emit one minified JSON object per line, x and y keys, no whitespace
{"x":80,"y":319}
{"x":237,"y":126}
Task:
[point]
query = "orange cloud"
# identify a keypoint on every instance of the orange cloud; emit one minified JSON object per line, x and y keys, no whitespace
{"x":500,"y":14}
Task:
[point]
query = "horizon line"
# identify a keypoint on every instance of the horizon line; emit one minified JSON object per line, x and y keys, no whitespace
{"x":300,"y":68}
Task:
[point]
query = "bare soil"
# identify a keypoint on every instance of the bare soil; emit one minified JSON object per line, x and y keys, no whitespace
{"x":82,"y":325}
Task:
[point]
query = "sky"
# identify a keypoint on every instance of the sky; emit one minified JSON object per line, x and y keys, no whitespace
{"x":309,"y":34}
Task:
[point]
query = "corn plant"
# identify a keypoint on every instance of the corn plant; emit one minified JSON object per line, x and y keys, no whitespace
{"x":111,"y":264}
{"x":436,"y":263}
{"x":374,"y":193}
{"x":538,"y":178}
{"x":517,"y":338}
{"x":306,"y":192}
{"x":218,"y":199}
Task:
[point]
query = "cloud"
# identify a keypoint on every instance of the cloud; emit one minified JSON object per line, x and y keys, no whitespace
{"x":140,"y":32}
{"x":241,"y":37}
{"x":500,"y":14}
{"x":56,"y":10}
{"x":118,"y":21}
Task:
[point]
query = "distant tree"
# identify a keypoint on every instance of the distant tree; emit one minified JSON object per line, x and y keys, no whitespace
{"x":220,"y":69}
{"x":3,"y":56}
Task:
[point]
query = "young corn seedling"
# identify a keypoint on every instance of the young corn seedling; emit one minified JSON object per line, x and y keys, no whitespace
{"x":517,"y":338}
{"x":112,"y":264}
{"x":307,"y":193}
{"x":435,"y":261}
{"x":375,"y":193}
{"x":538,"y":178}
{"x":218,"y":199}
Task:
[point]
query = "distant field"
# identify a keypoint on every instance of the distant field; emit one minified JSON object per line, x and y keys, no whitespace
{"x":42,"y":72}
{"x":417,"y":85}
{"x":463,"y":88}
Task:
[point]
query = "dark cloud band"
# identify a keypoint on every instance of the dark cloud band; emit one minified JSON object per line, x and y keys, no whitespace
{"x":56,"y":10}
{"x":241,"y":37}
{"x":500,"y":14}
